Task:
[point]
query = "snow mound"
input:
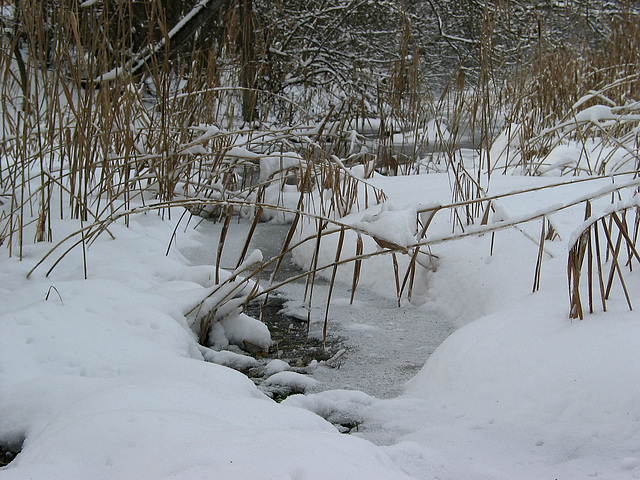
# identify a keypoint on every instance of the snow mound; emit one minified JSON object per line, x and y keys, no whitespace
{"x":246,"y":332}
{"x":104,"y":378}
{"x":229,"y":359}
{"x":292,"y":380}
{"x":515,"y":385}
{"x":336,"y":406}
{"x":276,"y":366}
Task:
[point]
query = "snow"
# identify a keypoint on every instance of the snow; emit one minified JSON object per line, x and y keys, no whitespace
{"x":391,"y":225}
{"x":104,"y":377}
{"x":228,"y":359}
{"x":189,"y":420}
{"x":293,"y":380}
{"x":504,"y":149}
{"x":110,"y":75}
{"x":557,"y":392}
{"x":519,"y":391}
{"x":243,"y":329}
{"x":272,"y":165}
{"x":337,"y":406}
{"x":276,"y":366}
{"x":434,"y":133}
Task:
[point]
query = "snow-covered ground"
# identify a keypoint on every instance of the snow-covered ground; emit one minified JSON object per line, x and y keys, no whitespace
{"x":104,"y":378}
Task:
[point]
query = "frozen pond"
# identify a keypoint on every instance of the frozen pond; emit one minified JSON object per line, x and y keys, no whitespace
{"x":384,"y":345}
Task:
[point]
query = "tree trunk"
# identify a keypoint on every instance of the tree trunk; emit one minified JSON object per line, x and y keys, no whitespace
{"x":248,"y":70}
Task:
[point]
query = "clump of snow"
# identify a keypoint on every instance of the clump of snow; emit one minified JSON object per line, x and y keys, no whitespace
{"x":595,"y":114}
{"x":291,"y":380}
{"x":254,"y":257}
{"x":245,"y":331}
{"x":336,"y":406}
{"x":276,"y":366}
{"x":196,"y":150}
{"x":397,"y":226}
{"x":229,"y":359}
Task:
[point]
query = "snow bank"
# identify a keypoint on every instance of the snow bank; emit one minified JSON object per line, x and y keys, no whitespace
{"x":188,"y":419}
{"x":521,"y":391}
{"x":531,"y":394}
{"x":103,"y":378}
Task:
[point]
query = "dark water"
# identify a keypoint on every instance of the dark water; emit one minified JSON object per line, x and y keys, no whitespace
{"x":291,"y":341}
{"x":7,"y":455}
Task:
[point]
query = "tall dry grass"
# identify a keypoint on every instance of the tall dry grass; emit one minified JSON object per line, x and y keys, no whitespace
{"x":88,"y":134}
{"x":86,"y":137}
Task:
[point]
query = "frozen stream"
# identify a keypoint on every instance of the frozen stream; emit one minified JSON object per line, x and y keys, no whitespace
{"x":384,"y":345}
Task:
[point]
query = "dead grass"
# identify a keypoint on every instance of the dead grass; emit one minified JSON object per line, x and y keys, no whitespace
{"x":75,"y":145}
